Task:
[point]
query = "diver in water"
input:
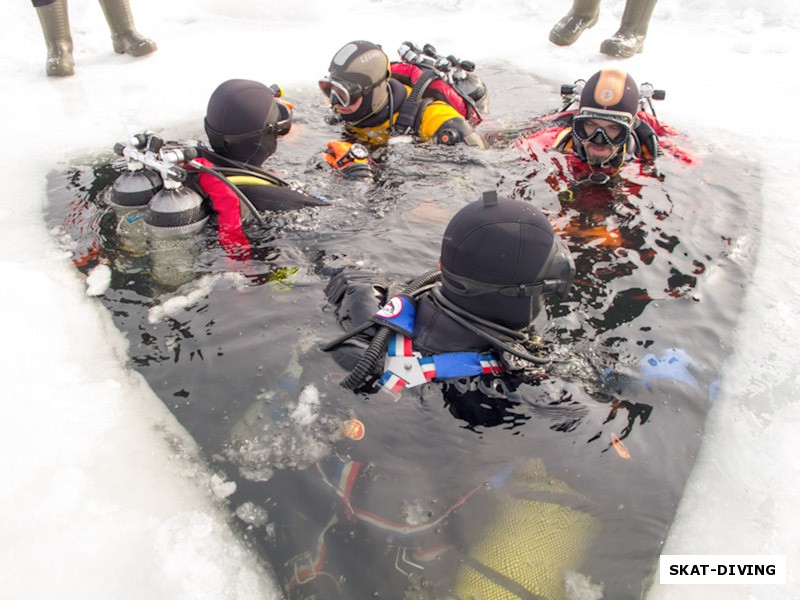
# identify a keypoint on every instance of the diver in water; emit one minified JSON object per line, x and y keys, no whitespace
{"x":179,"y":185}
{"x":499,"y":261}
{"x":467,"y":326}
{"x":626,"y":42}
{"x":407,"y":498}
{"x":599,"y":158}
{"x":608,"y":130}
{"x":55,"y":26}
{"x":243,"y":121}
{"x":605,"y":131}
{"x":349,"y":525}
{"x":377,"y":99}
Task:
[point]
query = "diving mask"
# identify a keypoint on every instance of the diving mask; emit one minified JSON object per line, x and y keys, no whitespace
{"x":345,"y":93}
{"x":602,"y":127}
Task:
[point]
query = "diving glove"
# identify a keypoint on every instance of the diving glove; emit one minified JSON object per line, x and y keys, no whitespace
{"x":356,"y":294}
{"x":351,"y":160}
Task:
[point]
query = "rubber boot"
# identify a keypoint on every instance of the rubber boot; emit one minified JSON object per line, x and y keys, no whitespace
{"x":583,"y":15}
{"x":55,"y":25}
{"x":123,"y":34}
{"x":629,"y":40}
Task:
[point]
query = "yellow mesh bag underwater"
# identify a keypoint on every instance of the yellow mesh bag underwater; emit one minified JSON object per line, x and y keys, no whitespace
{"x":540,"y":531}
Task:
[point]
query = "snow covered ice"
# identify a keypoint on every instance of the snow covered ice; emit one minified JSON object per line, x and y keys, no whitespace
{"x":104,"y":495}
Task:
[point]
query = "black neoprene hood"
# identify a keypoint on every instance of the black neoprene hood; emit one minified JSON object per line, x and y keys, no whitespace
{"x":241,"y":106}
{"x":499,"y":258}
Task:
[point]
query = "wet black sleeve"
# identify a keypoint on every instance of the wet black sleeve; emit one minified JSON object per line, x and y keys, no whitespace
{"x":357,"y":294}
{"x":276,"y":198}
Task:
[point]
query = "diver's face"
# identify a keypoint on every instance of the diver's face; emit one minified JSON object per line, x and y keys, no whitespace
{"x":350,"y":108}
{"x":599,"y":154}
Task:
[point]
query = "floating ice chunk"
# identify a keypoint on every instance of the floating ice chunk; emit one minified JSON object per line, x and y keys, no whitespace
{"x":252,"y":514}
{"x":222,"y":488}
{"x":98,"y":280}
{"x":580,"y":587}
{"x":196,"y":291}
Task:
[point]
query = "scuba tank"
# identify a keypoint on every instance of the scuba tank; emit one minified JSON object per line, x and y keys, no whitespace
{"x":173,"y":211}
{"x":559,"y":531}
{"x":473,"y":86}
{"x":176,"y":211}
{"x":136,"y":185}
{"x":155,"y":177}
{"x":458,"y":74}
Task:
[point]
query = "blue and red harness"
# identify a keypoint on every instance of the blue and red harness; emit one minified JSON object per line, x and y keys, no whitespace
{"x":404,"y":367}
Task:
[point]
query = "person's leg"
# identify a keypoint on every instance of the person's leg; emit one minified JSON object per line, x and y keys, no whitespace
{"x":629,"y":40}
{"x":581,"y":16}
{"x":55,"y":26}
{"x":123,"y":34}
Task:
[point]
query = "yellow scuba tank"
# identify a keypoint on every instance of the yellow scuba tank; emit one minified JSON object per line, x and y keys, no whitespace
{"x":540,"y":532}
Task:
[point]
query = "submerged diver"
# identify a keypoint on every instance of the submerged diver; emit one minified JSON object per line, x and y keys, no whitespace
{"x":411,"y":499}
{"x":377,"y":99}
{"x":467,"y":327}
{"x":54,"y":19}
{"x":626,"y":42}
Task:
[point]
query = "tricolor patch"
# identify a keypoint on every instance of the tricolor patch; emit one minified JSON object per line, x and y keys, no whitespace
{"x":428,"y":367}
{"x":490,"y":366}
{"x":392,"y":382}
{"x":400,"y":345}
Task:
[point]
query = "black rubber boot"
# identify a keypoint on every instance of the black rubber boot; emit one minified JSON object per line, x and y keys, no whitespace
{"x":124,"y":36}
{"x":583,"y":15}
{"x":55,"y":25}
{"x":629,"y":40}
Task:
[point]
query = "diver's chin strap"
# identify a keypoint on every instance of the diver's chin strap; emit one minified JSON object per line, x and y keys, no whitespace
{"x":460,"y":317}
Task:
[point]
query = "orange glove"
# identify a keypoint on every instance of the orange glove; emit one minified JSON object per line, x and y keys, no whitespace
{"x":352,"y":160}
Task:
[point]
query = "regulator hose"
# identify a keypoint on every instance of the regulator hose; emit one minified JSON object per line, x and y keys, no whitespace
{"x":366,"y":364}
{"x":377,"y":347}
{"x":251,"y":169}
{"x":446,"y":305}
{"x":346,"y":336}
{"x":233,"y":188}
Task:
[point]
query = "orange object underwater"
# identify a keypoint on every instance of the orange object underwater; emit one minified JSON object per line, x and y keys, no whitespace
{"x":619,"y":446}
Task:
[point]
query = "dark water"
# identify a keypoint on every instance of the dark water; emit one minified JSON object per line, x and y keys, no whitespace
{"x":232,"y":350}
